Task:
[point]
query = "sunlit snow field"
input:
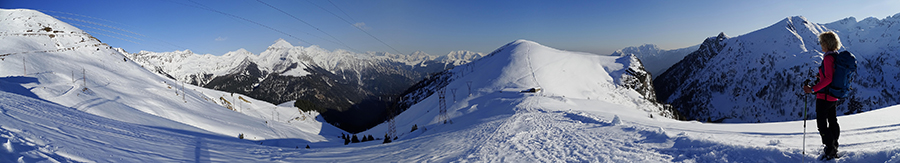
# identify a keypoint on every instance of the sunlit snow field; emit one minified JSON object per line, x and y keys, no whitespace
{"x":124,"y":113}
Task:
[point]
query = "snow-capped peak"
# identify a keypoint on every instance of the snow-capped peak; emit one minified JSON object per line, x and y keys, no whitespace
{"x":655,"y":59}
{"x":524,"y":64}
{"x":239,"y":52}
{"x":462,"y":54}
{"x":418,"y":53}
{"x":721,"y":36}
{"x":281,"y":44}
{"x":526,"y":43}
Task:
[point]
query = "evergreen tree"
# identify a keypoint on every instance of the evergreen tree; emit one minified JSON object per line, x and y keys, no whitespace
{"x":354,"y":139}
{"x":371,"y":138}
{"x":307,"y":146}
{"x":386,"y":139}
{"x":414,"y":128}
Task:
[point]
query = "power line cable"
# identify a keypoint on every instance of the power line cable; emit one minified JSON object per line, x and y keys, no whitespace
{"x":155,"y":44}
{"x":111,"y":27}
{"x":108,"y":31}
{"x":98,"y":24}
{"x":357,"y":27}
{"x":339,"y":9}
{"x":201,"y":6}
{"x":42,"y":10}
{"x":113,"y":37}
{"x":110,"y":36}
{"x":304,"y":22}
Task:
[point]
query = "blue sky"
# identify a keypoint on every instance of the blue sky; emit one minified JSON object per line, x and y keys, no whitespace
{"x":435,"y":27}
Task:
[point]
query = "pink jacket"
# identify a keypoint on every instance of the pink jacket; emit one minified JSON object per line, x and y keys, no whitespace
{"x":825,"y":75}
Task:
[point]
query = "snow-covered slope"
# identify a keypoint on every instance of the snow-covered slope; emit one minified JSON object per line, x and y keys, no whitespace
{"x":584,"y":113}
{"x":64,"y":65}
{"x":500,"y":127}
{"x":40,"y":131}
{"x":522,"y":65}
{"x":756,"y":77}
{"x":656,"y":60}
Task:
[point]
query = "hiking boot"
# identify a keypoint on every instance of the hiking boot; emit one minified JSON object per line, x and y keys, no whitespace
{"x":833,"y":152}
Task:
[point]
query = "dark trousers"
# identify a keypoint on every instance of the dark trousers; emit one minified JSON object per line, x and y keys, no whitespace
{"x":826,"y":120}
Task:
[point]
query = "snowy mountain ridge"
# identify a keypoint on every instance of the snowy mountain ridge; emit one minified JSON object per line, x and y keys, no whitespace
{"x":283,"y":58}
{"x":755,"y":77}
{"x":619,"y":80}
{"x":346,"y":83}
{"x":655,"y":59}
{"x":53,"y":61}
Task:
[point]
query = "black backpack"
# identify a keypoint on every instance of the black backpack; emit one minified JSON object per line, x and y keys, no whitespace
{"x":844,"y":69}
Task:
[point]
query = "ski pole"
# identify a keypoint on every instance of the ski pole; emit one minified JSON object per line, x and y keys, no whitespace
{"x":805,"y":105}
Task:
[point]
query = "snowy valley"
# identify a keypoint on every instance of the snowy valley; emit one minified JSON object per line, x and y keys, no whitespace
{"x":67,"y":97}
{"x":349,"y":88}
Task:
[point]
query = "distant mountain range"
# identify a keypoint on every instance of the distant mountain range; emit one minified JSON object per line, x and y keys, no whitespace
{"x":656,"y":60}
{"x":339,"y":84}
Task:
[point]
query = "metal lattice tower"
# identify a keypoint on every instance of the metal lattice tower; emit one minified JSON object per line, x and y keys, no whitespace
{"x":469,"y":84}
{"x":392,"y":128}
{"x":392,"y":125}
{"x":454,"y":94}
{"x":443,"y":106}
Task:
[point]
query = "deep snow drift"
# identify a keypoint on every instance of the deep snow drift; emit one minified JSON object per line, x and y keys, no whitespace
{"x":582,"y":114}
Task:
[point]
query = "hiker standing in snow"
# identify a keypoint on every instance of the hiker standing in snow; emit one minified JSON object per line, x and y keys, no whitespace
{"x":830,"y":89}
